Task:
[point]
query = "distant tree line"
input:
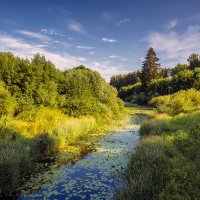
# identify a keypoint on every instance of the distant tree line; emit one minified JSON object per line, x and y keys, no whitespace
{"x":152,"y":80}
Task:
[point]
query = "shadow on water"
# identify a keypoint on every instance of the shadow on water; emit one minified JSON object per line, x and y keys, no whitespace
{"x":98,"y":175}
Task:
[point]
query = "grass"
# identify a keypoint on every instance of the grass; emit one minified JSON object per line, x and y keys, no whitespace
{"x":31,"y":138}
{"x":166,"y":163}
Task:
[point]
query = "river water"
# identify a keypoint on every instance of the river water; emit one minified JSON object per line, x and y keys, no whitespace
{"x":99,"y":175}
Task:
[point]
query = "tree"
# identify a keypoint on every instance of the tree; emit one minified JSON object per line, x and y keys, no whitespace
{"x":178,"y":68}
{"x":150,"y":68}
{"x":164,"y":72}
{"x":194,"y":61}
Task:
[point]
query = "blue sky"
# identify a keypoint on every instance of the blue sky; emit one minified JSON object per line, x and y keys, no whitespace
{"x":110,"y":36}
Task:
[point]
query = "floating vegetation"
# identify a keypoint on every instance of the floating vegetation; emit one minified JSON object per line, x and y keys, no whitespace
{"x":97,"y":176}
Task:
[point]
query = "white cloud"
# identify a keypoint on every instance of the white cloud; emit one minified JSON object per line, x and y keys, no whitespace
{"x":113,"y":56}
{"x":171,"y":24}
{"x":110,"y":40}
{"x":51,"y":31}
{"x":126,"y":20}
{"x":19,"y":47}
{"x":76,"y":27}
{"x":84,"y":47}
{"x":91,"y":53}
{"x":38,"y":36}
{"x":173,"y":47}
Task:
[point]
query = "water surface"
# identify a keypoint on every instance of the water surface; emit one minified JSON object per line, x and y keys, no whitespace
{"x":98,"y":175}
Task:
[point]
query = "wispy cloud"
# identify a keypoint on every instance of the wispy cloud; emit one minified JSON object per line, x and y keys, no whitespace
{"x":62,"y":61}
{"x":84,"y":47}
{"x":115,"y":56}
{"x":51,"y":31}
{"x":173,"y":47}
{"x":91,"y":53}
{"x":110,"y":40}
{"x":171,"y":24}
{"x":76,"y":27}
{"x":35,"y":35}
{"x":126,"y":20}
{"x":195,"y":16}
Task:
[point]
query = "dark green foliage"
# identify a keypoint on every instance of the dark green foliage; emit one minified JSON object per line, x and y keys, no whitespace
{"x":87,"y":93}
{"x":164,"y":72}
{"x":129,"y":90}
{"x":194,"y":61}
{"x":79,"y":91}
{"x":125,"y":80}
{"x":150,"y":68}
{"x":178,"y":68}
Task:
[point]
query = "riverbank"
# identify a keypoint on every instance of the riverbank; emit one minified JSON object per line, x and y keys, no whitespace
{"x":165,"y":164}
{"x":96,"y":175}
{"x":32,"y":143}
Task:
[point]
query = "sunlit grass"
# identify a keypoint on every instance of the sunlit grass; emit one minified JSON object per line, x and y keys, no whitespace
{"x":165,"y":165}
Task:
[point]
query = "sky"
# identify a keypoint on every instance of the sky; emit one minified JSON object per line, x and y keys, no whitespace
{"x":109,"y":36}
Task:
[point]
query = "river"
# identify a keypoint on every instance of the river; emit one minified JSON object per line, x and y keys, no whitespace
{"x":99,"y":175}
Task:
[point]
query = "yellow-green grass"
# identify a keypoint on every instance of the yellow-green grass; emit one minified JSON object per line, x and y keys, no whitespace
{"x":34,"y":136}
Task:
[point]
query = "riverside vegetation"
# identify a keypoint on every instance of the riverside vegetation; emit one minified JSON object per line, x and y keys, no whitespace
{"x":166,"y":163}
{"x":44,"y":110}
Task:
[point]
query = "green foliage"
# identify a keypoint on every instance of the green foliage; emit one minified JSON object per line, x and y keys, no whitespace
{"x":146,"y":175}
{"x":178,"y":68}
{"x":36,"y":101}
{"x":194,"y":61}
{"x":7,"y":102}
{"x":120,"y":81}
{"x":160,"y":87}
{"x":129,"y":90}
{"x":150,"y":68}
{"x":165,"y":165}
{"x":87,"y":93}
{"x":179,"y":102}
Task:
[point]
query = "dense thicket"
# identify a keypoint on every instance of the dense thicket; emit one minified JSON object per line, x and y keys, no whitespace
{"x":79,"y":91}
{"x":119,"y":81}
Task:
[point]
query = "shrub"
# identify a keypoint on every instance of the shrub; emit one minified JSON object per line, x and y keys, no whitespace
{"x":7,"y":102}
{"x":180,"y":102}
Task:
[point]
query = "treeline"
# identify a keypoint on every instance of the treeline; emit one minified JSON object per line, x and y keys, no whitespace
{"x":79,"y":91}
{"x":44,"y":110}
{"x":152,"y":80}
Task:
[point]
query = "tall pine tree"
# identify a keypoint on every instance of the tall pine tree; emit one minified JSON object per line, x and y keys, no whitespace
{"x":150,"y":68}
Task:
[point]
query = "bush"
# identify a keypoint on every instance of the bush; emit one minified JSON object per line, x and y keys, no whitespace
{"x":7,"y":102}
{"x":180,"y":102}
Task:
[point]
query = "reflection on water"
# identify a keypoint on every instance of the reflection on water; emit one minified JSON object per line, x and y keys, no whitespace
{"x":96,"y":176}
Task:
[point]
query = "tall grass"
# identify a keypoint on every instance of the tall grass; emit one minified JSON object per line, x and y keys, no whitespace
{"x":32,"y":137}
{"x":166,"y":163}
